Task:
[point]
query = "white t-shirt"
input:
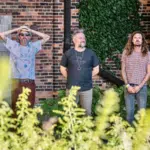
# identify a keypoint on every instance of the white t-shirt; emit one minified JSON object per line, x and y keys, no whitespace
{"x":22,"y":58}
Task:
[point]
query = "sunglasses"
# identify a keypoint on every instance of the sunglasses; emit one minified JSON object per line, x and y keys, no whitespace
{"x":25,"y":34}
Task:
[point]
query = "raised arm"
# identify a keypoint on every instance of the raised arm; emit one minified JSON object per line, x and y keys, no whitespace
{"x":45,"y":37}
{"x":5,"y":33}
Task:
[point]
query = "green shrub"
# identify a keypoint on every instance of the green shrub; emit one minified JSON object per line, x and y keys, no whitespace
{"x":120,"y":91}
{"x":97,"y":96}
{"x":107,"y":25}
{"x":49,"y":105}
{"x":74,"y":130}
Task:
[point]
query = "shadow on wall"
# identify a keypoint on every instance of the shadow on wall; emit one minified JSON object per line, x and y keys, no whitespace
{"x":111,"y":78}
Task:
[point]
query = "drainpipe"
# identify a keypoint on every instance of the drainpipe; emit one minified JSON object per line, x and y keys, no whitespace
{"x":67,"y":25}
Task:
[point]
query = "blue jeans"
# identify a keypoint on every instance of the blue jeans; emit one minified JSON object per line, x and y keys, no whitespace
{"x":130,"y":98}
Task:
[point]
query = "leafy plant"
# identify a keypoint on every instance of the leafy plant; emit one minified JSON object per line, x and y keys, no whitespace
{"x":120,"y":91}
{"x":74,"y":130}
{"x":148,"y":96}
{"x":49,"y":105}
{"x":122,"y":136}
{"x":108,"y":24}
{"x":97,"y":96}
{"x":73,"y":123}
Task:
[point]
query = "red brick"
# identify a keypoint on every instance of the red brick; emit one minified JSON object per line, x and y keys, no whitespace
{"x":48,"y":16}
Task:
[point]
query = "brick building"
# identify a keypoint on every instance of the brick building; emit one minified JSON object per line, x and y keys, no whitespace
{"x":48,"y":17}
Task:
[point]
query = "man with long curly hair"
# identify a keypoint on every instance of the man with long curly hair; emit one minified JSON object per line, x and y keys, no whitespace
{"x":135,"y":72}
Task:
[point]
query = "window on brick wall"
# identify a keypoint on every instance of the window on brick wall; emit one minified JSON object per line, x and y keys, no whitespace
{"x":5,"y":24}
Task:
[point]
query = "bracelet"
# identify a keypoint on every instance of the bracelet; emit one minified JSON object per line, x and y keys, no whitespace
{"x":127,"y":85}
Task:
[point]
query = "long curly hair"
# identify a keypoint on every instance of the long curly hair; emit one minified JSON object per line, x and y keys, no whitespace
{"x":130,"y":47}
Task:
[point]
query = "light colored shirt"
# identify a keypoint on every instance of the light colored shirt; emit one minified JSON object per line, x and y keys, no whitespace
{"x":22,"y":58}
{"x":135,"y":66}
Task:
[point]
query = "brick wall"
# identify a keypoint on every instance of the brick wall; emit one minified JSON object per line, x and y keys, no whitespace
{"x":145,"y":11}
{"x":59,"y":80}
{"x":40,"y":14}
{"x":48,"y":17}
{"x":58,"y":29}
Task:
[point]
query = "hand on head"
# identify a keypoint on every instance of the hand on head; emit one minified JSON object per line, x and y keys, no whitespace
{"x":26,"y":28}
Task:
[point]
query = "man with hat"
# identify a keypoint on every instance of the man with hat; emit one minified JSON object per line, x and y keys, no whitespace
{"x":22,"y":60}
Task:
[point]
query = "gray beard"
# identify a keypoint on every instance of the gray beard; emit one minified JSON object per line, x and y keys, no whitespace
{"x":82,"y":45}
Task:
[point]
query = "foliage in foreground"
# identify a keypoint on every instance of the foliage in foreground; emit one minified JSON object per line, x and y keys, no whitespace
{"x":51,"y":104}
{"x":74,"y":130}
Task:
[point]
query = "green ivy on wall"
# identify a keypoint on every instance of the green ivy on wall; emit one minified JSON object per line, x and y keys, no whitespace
{"x":107,"y":24}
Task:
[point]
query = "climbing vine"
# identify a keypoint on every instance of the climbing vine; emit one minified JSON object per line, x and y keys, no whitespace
{"x":107,"y":25}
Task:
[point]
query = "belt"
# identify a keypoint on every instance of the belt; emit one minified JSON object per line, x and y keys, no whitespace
{"x":26,"y":80}
{"x":132,"y":84}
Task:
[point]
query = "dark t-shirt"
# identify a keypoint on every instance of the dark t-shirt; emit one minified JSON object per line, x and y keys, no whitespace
{"x":80,"y":66}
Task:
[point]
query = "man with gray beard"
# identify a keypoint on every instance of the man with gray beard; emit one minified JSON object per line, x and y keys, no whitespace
{"x":79,"y":65}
